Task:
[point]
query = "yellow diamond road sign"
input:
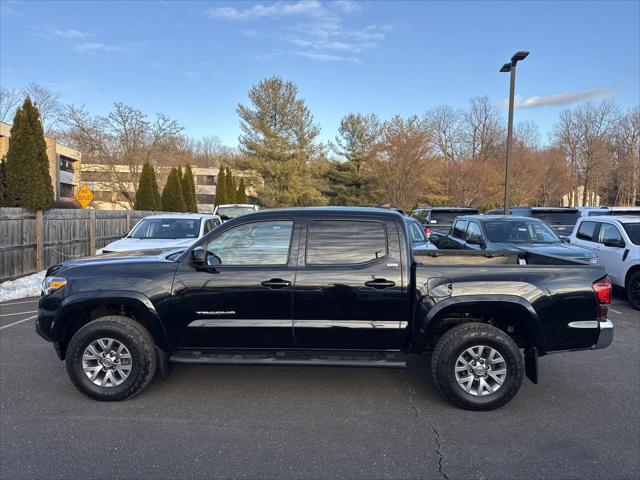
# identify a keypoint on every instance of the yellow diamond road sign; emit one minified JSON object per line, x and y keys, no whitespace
{"x":84,"y":196}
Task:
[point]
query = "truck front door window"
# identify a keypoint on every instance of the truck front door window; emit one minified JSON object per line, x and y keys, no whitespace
{"x":258,"y":243}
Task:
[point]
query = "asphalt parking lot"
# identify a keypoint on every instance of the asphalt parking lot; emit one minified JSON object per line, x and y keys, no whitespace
{"x":581,"y":421}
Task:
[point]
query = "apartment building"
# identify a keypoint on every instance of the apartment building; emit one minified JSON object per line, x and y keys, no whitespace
{"x":114,"y":187}
{"x":64,"y":163}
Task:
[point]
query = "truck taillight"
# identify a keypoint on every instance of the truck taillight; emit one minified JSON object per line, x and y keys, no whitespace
{"x":427,"y":231}
{"x":602,"y":288}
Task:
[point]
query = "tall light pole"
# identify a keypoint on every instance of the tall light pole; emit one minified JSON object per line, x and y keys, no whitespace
{"x":510,"y":67}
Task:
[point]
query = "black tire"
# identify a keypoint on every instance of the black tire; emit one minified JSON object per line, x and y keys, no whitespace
{"x":456,"y":341}
{"x":134,"y":336}
{"x":633,"y":290}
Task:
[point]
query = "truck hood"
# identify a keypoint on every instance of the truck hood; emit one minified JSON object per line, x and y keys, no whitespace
{"x":112,"y":259}
{"x":140,"y":244}
{"x":565,"y":250}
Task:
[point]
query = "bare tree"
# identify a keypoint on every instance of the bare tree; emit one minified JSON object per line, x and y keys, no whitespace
{"x":48,"y":104}
{"x":120,"y":143}
{"x":484,"y":130}
{"x":9,"y":100}
{"x":626,"y":158}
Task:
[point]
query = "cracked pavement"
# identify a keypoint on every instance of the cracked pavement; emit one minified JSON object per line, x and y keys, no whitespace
{"x":581,"y":421}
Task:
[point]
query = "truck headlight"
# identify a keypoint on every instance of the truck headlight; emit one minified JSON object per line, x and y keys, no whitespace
{"x":51,"y":284}
{"x":593,"y":260}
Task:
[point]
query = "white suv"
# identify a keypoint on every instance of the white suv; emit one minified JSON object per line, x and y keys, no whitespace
{"x":164,"y":232}
{"x":616,"y":242}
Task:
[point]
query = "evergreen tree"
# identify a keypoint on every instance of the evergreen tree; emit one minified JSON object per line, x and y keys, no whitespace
{"x":357,"y":136}
{"x":221,"y":183}
{"x":147,"y":194}
{"x":230,"y":188}
{"x":189,"y":190}
{"x":27,"y":168}
{"x":3,"y":183}
{"x":279,"y":143}
{"x":172,"y":198}
{"x":241,"y":194}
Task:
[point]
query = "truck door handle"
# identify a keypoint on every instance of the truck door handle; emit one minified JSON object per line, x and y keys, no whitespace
{"x":380,"y":283}
{"x":276,"y":283}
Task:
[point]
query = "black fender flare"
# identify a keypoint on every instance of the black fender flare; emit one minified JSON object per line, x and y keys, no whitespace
{"x":145,"y":311}
{"x":469,"y":302}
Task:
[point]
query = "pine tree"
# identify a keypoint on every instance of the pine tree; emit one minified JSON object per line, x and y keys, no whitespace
{"x":229,"y":187}
{"x":3,"y":183}
{"x":189,"y":190}
{"x":241,"y":194}
{"x":220,"y":188}
{"x":172,"y":198}
{"x":147,"y":195}
{"x":27,"y":168}
{"x":279,"y":142}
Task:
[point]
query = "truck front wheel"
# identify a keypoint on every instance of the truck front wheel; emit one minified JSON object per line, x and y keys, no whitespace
{"x":111,"y":358}
{"x":477,"y":366}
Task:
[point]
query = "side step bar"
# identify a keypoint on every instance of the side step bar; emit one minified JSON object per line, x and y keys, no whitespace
{"x":317,"y":358}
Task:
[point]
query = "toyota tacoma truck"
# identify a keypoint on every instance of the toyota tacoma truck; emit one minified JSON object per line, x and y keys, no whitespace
{"x":322,"y":286}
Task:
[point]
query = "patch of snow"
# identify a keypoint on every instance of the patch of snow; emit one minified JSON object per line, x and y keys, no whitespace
{"x":23,"y":287}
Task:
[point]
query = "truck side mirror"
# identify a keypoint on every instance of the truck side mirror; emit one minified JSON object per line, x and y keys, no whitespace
{"x":616,"y":243}
{"x":198,"y":256}
{"x":474,"y":241}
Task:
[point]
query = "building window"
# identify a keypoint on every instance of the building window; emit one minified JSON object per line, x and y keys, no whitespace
{"x":66,"y":164}
{"x":204,"y":199}
{"x":205,"y":179}
{"x":66,"y":190}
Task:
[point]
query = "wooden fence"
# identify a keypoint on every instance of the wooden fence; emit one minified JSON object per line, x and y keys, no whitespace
{"x":33,"y":241}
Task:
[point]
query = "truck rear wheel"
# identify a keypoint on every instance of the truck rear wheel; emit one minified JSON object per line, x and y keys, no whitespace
{"x":477,"y":366}
{"x":111,"y":358}
{"x":633,"y":290}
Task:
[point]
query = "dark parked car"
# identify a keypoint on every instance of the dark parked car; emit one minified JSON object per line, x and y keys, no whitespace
{"x":440,"y":219}
{"x":496,"y":233}
{"x":419,"y":240}
{"x":561,"y":219}
{"x":322,"y":286}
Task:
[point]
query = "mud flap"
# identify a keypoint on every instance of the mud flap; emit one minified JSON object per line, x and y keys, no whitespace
{"x":531,"y":364}
{"x":164,"y":367}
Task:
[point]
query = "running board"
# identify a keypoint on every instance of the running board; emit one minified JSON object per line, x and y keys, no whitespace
{"x":317,"y":358}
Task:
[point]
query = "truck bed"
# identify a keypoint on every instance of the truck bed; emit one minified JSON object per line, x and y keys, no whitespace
{"x":478,"y":257}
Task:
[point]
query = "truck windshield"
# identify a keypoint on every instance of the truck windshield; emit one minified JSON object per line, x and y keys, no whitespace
{"x":447,"y":217}
{"x":633,"y":230}
{"x":520,"y":232}
{"x":557,"y":217}
{"x":231,"y":212}
{"x":166,"y":228}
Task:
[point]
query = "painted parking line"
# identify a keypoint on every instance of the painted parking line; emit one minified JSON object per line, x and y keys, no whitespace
{"x":16,"y":313}
{"x":18,"y":322}
{"x":33,"y":300}
{"x":615,"y":311}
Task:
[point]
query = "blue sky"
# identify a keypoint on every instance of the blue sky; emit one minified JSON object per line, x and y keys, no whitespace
{"x":196,"y":60}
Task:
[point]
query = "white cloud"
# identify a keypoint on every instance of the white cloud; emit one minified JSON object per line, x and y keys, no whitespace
{"x":68,"y":34}
{"x":96,"y":47}
{"x":326,"y":57}
{"x":347,"y":6}
{"x":84,"y":42}
{"x":275,"y":10}
{"x":557,"y":99}
{"x":320,"y":32}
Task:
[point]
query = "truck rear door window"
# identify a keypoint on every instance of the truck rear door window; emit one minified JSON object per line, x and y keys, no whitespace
{"x":340,"y":242}
{"x":585,"y":231}
{"x":460,"y":229}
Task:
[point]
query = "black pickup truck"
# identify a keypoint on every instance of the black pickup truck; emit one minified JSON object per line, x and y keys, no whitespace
{"x":322,"y":286}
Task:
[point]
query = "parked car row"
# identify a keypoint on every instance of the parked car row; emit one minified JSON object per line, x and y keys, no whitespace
{"x":609,"y":236}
